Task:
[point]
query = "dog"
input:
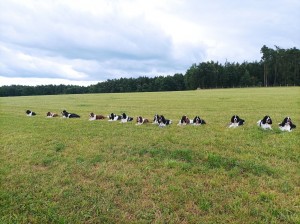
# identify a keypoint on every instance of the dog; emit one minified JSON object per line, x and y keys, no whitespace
{"x":185,"y":120}
{"x":50,"y":114}
{"x":114,"y":117}
{"x":126,"y":118}
{"x":30,"y":113}
{"x":236,"y":121}
{"x":66,"y":114}
{"x":265,"y":123}
{"x":140,"y":120}
{"x":198,"y":121}
{"x":162,"y":122}
{"x":287,"y":124}
{"x":156,"y":119}
{"x":96,"y":117}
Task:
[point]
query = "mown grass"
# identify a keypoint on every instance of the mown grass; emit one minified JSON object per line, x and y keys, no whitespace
{"x":79,"y":171}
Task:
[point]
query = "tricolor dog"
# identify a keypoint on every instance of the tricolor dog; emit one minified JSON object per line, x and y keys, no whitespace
{"x":66,"y":114}
{"x":265,"y":123}
{"x":287,"y":124}
{"x":126,"y":118}
{"x":50,"y":114}
{"x":236,"y":121}
{"x":30,"y":113}
{"x":114,"y":117}
{"x":96,"y":117}
{"x":140,"y":120}
{"x":198,"y":121}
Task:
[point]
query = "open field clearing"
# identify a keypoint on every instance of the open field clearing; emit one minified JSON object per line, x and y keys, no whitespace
{"x":56,"y":170}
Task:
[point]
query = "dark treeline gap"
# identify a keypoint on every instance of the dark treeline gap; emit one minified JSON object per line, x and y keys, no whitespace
{"x":277,"y":67}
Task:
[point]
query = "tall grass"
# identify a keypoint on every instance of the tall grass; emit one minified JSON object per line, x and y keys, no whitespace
{"x":79,"y":171}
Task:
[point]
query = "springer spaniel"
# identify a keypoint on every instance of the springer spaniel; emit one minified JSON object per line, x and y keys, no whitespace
{"x":50,"y":114}
{"x":236,"y":121}
{"x":265,"y":123}
{"x":30,"y":113}
{"x":140,"y":120}
{"x":198,"y":121}
{"x":287,"y":124}
{"x":66,"y":114}
{"x":163,"y":121}
{"x":156,"y":119}
{"x":126,"y":118}
{"x":96,"y":117}
{"x":185,"y":120}
{"x":114,"y":117}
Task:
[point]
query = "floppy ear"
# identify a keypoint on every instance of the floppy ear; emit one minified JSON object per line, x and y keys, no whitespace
{"x":270,"y":121}
{"x":282,"y":123}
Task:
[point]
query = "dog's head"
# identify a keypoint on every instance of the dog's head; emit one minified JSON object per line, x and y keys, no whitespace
{"x":197,"y":120}
{"x":235,"y":119}
{"x":111,"y":116}
{"x":48,"y":114}
{"x":139,"y":119}
{"x":92,"y":114}
{"x":184,"y":119}
{"x":28,"y":111}
{"x":124,"y":116}
{"x":267,"y":120}
{"x":156,"y":118}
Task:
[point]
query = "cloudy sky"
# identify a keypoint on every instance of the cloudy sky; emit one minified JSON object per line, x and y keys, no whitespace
{"x":86,"y":41}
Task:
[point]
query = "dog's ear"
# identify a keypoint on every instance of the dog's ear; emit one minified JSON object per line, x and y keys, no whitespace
{"x":282,"y":123}
{"x":270,"y":121}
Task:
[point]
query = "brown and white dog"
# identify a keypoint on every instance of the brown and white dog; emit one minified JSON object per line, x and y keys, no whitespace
{"x":96,"y":117}
{"x":50,"y":114}
{"x":185,"y":120}
{"x":140,"y":120}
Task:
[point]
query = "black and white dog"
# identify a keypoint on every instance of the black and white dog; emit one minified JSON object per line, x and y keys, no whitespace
{"x":126,"y":118}
{"x":66,"y":114}
{"x":198,"y":121}
{"x":162,"y":121}
{"x":156,"y":119}
{"x":185,"y":120}
{"x":30,"y":113}
{"x":236,"y":121}
{"x":287,"y":124}
{"x":265,"y":123}
{"x":50,"y":114}
{"x":140,"y":120}
{"x":114,"y":117}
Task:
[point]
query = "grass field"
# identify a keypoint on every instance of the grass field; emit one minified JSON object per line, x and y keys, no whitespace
{"x":79,"y":171}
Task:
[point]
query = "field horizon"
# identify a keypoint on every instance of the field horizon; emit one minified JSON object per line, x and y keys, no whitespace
{"x":58,"y":170}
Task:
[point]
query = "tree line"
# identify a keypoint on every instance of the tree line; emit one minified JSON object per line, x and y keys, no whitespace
{"x":277,"y":67}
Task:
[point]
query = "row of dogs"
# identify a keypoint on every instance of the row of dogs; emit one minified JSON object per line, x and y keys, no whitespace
{"x":235,"y":121}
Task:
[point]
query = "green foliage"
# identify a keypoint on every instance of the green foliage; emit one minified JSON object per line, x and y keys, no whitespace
{"x":278,"y":67}
{"x":79,"y":171}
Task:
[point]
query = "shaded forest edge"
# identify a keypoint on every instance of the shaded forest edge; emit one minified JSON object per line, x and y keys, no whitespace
{"x":277,"y":67}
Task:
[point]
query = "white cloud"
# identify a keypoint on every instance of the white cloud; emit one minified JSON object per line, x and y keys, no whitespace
{"x":94,"y":40}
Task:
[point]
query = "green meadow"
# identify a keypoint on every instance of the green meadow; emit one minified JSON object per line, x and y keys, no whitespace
{"x":56,"y":170}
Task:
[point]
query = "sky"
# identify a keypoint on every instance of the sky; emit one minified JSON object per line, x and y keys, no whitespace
{"x":84,"y":42}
